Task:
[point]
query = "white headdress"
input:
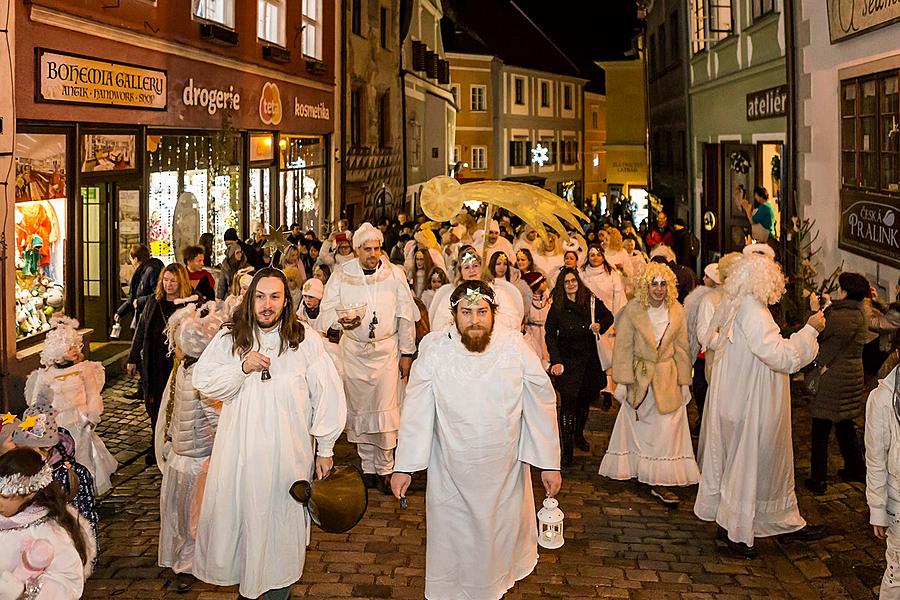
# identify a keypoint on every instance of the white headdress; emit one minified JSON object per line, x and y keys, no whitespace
{"x":367,"y":233}
{"x":61,"y":340}
{"x":192,"y":330}
{"x":22,"y":485}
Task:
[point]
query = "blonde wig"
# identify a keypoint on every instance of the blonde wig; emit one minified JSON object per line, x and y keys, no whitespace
{"x":756,"y":276}
{"x":613,"y":240}
{"x":642,"y":284}
{"x":727,"y":264}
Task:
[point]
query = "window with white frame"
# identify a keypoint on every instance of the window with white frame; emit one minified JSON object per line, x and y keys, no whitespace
{"x":519,"y":87}
{"x":454,"y":89}
{"x":219,"y":11}
{"x":312,"y":29}
{"x":479,"y":158}
{"x":270,"y":21}
{"x":478,"y":101}
{"x":711,"y":21}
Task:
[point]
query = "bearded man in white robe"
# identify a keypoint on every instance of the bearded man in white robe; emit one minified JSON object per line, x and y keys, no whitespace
{"x":279,"y":392}
{"x":746,"y":455}
{"x":376,"y":349}
{"x":494,"y":243}
{"x":480,"y":411}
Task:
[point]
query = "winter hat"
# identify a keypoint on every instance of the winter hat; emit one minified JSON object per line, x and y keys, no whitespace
{"x":230,"y":235}
{"x":230,"y":250}
{"x":314,"y":288}
{"x":367,"y":233}
{"x":61,"y":340}
{"x":712,"y":271}
{"x":534,"y":280}
{"x":38,"y":428}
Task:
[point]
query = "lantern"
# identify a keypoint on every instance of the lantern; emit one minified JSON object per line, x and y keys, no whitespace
{"x":550,"y":524}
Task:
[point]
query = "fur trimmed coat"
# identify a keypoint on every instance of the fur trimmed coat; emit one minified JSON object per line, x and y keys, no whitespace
{"x":639,"y":363}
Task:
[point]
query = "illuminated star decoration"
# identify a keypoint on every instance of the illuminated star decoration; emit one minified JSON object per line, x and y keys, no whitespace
{"x":28,"y":422}
{"x":277,"y":240}
{"x":7,"y":418}
{"x":540,"y":155}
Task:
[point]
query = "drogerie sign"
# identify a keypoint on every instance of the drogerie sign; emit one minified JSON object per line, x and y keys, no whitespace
{"x":76,"y":79}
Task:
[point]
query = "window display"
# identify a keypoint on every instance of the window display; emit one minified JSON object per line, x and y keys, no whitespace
{"x":194,"y":188}
{"x":40,"y":214}
{"x":303,"y":184}
{"x":107,"y":153}
{"x":260,"y":184}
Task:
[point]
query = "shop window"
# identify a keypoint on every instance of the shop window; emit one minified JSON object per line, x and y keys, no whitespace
{"x":519,"y":86}
{"x":762,"y":8}
{"x":356,"y":17}
{"x":195,"y":186}
{"x":218,"y":11}
{"x":478,"y":100}
{"x":312,"y":29}
{"x":567,"y":96}
{"x":479,"y":158}
{"x":519,"y":153}
{"x":270,"y":21}
{"x":545,"y":94}
{"x":302,"y":181}
{"x":40,"y":224}
{"x":870,"y":133}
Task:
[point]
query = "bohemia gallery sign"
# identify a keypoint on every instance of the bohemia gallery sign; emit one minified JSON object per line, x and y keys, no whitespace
{"x":74,"y":79}
{"x":870,"y":226}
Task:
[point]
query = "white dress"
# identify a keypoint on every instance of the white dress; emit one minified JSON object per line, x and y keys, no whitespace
{"x":75,"y":394}
{"x":510,"y":309}
{"x":745,"y":449}
{"x":609,"y":287}
{"x":250,"y":530}
{"x":477,"y":421}
{"x":535,"y":337}
{"x":656,"y":448}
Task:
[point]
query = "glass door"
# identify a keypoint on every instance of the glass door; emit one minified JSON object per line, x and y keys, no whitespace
{"x":261,"y":198}
{"x":95,"y":258}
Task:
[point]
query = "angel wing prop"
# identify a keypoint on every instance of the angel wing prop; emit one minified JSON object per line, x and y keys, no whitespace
{"x":442,"y":198}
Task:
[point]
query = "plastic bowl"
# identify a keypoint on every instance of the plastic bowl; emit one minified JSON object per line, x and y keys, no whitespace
{"x":352,"y":312}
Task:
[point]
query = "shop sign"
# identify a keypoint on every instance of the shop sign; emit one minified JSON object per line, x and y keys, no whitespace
{"x":211,"y":100}
{"x":270,"y":104}
{"x":767,"y":104}
{"x":870,"y":226}
{"x":848,"y":18}
{"x":75,"y":79}
{"x":309,"y":111}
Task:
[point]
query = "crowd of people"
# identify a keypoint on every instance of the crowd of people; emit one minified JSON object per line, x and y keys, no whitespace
{"x":470,"y":349}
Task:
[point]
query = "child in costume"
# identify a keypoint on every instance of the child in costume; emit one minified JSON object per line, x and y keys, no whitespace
{"x":308,"y":313}
{"x":46,"y":549}
{"x":72,"y":386}
{"x":184,"y":440}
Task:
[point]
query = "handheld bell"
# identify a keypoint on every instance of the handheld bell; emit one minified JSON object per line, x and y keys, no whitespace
{"x":337,"y":502}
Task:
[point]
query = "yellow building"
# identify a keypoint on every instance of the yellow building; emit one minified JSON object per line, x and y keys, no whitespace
{"x":626,"y":132}
{"x":470,"y":75}
{"x":594,"y":147}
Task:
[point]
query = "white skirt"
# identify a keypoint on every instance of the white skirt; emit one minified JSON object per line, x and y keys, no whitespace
{"x":179,"y":510}
{"x":93,"y":454}
{"x":653,"y":447}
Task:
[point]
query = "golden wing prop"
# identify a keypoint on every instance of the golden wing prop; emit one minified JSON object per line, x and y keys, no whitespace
{"x":443,"y":197}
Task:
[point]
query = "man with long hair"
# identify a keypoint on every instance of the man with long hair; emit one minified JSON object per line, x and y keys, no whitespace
{"x":479,"y":412}
{"x":279,"y":390}
{"x":377,"y":347}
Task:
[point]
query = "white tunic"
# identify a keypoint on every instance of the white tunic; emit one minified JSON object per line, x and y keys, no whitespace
{"x":476,"y":422}
{"x":653,"y":447}
{"x":610,"y":288}
{"x":535,"y":319}
{"x":372,"y":365}
{"x":510,"y":309}
{"x":745,"y":450}
{"x":549,"y":265}
{"x":75,"y":394}
{"x":250,"y":530}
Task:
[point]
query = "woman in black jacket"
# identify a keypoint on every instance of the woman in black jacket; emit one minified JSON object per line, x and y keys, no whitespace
{"x":149,"y":347}
{"x":143,"y":282}
{"x":571,"y":331}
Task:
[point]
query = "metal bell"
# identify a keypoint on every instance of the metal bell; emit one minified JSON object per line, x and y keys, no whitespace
{"x":337,"y":502}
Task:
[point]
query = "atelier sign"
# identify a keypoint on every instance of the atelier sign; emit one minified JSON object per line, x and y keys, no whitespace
{"x":870,"y":226}
{"x":767,"y":104}
{"x":70,"y":78}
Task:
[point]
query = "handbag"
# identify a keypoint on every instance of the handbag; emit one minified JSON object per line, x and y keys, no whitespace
{"x":813,"y":377}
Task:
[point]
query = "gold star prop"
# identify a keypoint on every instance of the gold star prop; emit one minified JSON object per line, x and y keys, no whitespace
{"x":7,"y":418}
{"x":277,"y":240}
{"x":28,"y":422}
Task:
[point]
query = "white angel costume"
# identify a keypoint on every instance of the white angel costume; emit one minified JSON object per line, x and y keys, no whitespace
{"x":476,"y":422}
{"x":510,"y":308}
{"x":251,"y":532}
{"x":745,"y":451}
{"x":74,"y":392}
{"x":609,"y":287}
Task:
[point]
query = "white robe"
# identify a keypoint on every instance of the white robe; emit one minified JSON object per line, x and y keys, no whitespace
{"x":372,"y":365}
{"x":501,"y":245}
{"x":610,"y":288}
{"x":535,"y":333}
{"x":510,"y":308}
{"x":250,"y":530}
{"x":75,"y":394}
{"x":476,"y":422}
{"x":334,"y":350}
{"x":549,"y":265}
{"x":745,"y":450}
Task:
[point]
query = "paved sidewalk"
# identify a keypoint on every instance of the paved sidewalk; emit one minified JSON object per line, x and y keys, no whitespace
{"x":619,"y":543}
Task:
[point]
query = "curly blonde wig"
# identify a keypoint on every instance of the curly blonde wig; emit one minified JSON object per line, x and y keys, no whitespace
{"x":758,"y":276}
{"x":613,"y":240}
{"x":642,"y":284}
{"x":727,"y":264}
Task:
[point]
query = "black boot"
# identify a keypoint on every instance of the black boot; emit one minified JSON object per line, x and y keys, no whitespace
{"x":580,"y":422}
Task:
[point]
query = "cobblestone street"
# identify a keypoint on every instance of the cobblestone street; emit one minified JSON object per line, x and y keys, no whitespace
{"x":619,"y":542}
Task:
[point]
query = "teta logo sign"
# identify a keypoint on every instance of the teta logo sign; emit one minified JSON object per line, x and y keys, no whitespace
{"x":270,"y":104}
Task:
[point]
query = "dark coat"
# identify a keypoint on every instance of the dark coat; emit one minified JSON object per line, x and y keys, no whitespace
{"x":150,"y":349}
{"x":842,"y":392}
{"x":142,"y":286}
{"x":572,"y":344}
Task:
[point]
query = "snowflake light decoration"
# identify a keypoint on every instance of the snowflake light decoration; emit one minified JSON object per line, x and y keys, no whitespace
{"x":540,"y":155}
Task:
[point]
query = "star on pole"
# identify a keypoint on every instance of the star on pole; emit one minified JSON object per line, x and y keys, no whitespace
{"x":276,"y":240}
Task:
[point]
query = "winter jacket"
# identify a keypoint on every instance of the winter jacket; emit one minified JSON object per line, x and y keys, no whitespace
{"x":573,"y":345}
{"x":842,"y":386}
{"x":142,"y":286}
{"x":883,"y":453}
{"x":639,"y":362}
{"x":194,"y":417}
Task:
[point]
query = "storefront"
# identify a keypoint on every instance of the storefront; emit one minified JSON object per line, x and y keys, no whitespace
{"x":119,"y":144}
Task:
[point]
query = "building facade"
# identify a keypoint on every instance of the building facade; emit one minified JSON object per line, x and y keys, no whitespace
{"x":738,"y":114}
{"x":372,"y":138}
{"x":594,"y":150}
{"x":429,"y":107}
{"x":474,"y":148}
{"x":156,"y":123}
{"x":848,"y":136}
